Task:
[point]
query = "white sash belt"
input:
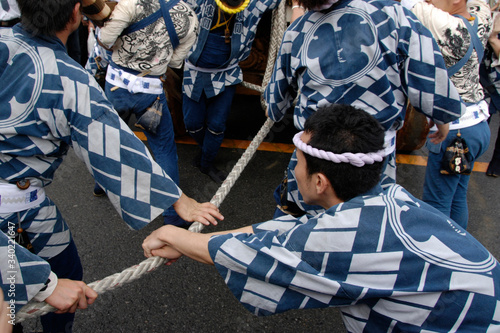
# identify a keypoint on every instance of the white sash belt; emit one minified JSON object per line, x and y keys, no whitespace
{"x":13,"y":199}
{"x":474,"y":114}
{"x":134,"y":83}
{"x":209,"y":70}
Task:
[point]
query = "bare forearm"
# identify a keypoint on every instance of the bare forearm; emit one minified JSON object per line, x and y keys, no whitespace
{"x":172,"y":242}
{"x":247,"y":230}
{"x":193,"y":245}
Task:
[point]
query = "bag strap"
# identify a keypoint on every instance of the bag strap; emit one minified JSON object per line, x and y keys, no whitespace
{"x":475,"y":44}
{"x":163,"y":11}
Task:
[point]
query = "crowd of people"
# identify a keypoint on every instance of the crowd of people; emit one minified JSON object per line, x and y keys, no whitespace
{"x":343,"y":234}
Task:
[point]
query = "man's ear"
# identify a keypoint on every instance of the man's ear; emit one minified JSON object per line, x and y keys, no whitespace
{"x":76,"y":13}
{"x":322,"y":183}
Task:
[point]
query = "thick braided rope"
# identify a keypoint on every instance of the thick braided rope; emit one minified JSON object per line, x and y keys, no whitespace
{"x":35,"y":309}
{"x":278,"y":27}
{"x":356,"y":159}
{"x":235,"y":173}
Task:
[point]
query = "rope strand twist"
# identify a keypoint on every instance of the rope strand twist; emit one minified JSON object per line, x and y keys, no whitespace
{"x":35,"y":309}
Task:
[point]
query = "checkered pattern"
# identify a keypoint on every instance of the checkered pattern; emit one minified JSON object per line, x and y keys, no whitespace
{"x":22,"y":273}
{"x":378,"y":56}
{"x":50,"y":103}
{"x":245,"y":26}
{"x":391,"y":262}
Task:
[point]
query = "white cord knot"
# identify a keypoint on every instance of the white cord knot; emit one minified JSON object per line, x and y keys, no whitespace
{"x":356,"y":159}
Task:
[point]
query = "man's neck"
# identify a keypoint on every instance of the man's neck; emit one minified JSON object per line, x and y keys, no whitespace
{"x":461,"y":10}
{"x":63,"y":35}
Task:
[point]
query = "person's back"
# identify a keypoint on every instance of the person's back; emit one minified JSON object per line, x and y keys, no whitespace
{"x":411,"y":269}
{"x":461,"y":30}
{"x":368,"y":45}
{"x":147,"y":37}
{"x":149,"y":49}
{"x":370,"y":54}
{"x":390,"y":262}
{"x":41,"y":87}
{"x":454,"y":40}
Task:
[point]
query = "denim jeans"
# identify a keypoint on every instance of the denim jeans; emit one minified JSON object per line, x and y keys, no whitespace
{"x":205,"y":121}
{"x":162,"y":143}
{"x":448,"y":193}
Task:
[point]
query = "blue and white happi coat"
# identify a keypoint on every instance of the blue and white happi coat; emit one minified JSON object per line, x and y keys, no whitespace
{"x":374,"y":55}
{"x":390,"y":262}
{"x":214,"y":81}
{"x":48,"y":104}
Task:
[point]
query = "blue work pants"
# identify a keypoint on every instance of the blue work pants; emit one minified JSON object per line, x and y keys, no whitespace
{"x":448,"y":193}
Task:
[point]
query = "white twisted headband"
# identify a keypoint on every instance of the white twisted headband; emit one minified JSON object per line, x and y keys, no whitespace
{"x":357,"y":159}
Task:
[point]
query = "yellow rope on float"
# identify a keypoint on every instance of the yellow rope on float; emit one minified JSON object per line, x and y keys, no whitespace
{"x":232,"y":10}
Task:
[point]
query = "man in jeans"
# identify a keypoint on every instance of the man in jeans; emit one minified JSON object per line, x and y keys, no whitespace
{"x":142,"y":50}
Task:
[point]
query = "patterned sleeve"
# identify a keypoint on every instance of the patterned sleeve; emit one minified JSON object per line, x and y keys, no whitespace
{"x":425,"y":77}
{"x":268,"y":275}
{"x":135,"y":184}
{"x":282,"y":88}
{"x":22,"y":273}
{"x":281,"y":224}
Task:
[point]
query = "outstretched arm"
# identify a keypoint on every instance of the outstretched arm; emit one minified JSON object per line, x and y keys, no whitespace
{"x":173,"y":242}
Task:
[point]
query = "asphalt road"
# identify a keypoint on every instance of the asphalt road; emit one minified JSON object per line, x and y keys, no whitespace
{"x":191,"y":297}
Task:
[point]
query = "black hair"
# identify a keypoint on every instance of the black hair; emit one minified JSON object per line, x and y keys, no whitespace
{"x":340,"y":129}
{"x":46,"y":17}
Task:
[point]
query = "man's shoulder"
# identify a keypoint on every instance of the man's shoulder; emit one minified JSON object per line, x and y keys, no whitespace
{"x":392,"y":192}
